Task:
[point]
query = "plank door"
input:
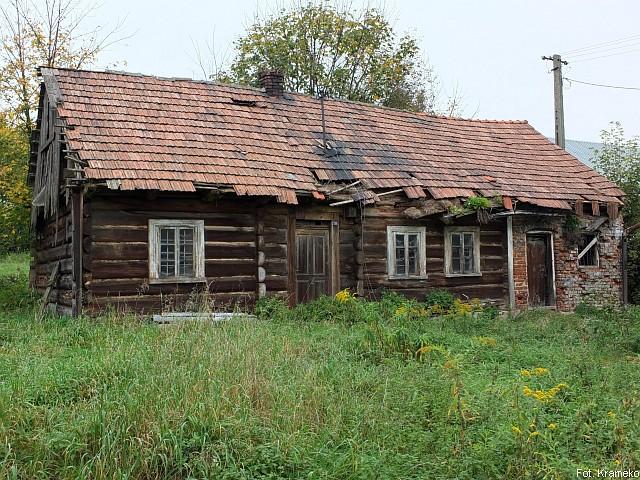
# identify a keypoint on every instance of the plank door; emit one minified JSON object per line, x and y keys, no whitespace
{"x":312,"y":264}
{"x":539,"y":271}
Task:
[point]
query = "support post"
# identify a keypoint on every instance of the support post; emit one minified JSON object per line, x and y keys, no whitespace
{"x":76,"y":249}
{"x":512,"y":291}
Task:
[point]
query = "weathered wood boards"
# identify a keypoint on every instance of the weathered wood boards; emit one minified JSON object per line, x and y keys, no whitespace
{"x":250,"y":250}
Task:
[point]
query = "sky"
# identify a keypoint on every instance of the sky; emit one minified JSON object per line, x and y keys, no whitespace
{"x":490,"y":50}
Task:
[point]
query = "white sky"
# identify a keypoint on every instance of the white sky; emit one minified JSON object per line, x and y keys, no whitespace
{"x":489,"y":49}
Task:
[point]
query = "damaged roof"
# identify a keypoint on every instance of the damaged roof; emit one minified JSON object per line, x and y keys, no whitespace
{"x":143,"y":132}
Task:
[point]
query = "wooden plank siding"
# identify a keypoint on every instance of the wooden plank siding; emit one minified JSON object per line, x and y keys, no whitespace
{"x":52,"y":243}
{"x":117,"y":268}
{"x":490,"y":286}
{"x":247,"y":243}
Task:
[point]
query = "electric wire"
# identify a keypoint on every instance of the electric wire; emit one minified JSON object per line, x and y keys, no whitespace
{"x":571,"y":80}
{"x":596,"y":46}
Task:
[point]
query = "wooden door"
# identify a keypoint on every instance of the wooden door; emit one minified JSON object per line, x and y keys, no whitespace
{"x":312,"y":264}
{"x":539,"y":271}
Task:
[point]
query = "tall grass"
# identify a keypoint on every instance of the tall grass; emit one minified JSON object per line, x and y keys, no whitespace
{"x":117,"y":397}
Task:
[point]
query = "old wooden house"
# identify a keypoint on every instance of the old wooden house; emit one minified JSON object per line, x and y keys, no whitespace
{"x":147,"y":189}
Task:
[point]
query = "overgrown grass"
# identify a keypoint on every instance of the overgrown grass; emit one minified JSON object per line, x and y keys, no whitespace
{"x":323,"y":397}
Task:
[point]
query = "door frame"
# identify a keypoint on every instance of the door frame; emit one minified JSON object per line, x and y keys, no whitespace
{"x":332,"y":220}
{"x":551,"y":259}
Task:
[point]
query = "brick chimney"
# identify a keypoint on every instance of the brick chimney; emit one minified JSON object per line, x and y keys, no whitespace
{"x":273,"y":82}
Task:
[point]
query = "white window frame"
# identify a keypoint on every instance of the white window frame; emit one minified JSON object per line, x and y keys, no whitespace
{"x":581,"y":253}
{"x":422,"y":252}
{"x":475,"y":231}
{"x":198,"y":251}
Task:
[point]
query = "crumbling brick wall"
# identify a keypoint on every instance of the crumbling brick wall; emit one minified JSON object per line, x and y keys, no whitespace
{"x":574,"y":284}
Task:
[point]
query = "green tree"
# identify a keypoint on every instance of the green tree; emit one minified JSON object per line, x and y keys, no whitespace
{"x":14,"y":193}
{"x":619,"y":160}
{"x":33,"y":34}
{"x":346,"y":54}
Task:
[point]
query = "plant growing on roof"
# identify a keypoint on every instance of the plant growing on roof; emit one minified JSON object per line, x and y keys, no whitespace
{"x":476,"y":203}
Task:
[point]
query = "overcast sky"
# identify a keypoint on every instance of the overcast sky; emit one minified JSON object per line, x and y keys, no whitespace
{"x":491,"y":50}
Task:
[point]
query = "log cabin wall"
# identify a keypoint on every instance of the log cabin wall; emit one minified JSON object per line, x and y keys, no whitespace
{"x":52,"y":244}
{"x":116,"y":251}
{"x":491,"y":286}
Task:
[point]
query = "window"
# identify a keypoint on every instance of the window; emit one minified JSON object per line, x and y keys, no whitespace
{"x":406,"y":252}
{"x":176,"y":251}
{"x":588,"y":251}
{"x":462,"y":251}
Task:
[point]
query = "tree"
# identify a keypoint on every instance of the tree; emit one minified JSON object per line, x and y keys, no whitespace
{"x":619,"y":160}
{"x":46,"y":34}
{"x":322,"y":49}
{"x":14,"y":193}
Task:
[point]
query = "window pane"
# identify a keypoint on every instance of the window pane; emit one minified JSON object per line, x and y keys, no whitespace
{"x":469,"y":266}
{"x":167,"y":252}
{"x":401,"y":268}
{"x":413,"y":253}
{"x":185,"y":257}
{"x":456,"y":252}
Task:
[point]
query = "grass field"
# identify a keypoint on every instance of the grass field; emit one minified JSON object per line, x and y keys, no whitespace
{"x":342,"y":390}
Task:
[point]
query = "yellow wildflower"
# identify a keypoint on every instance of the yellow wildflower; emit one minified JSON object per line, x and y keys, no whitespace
{"x":525,"y":373}
{"x":516,"y":430}
{"x":539,"y":371}
{"x":344,"y":295}
{"x":543,"y":395}
{"x":552,"y":426}
{"x":611,"y":414}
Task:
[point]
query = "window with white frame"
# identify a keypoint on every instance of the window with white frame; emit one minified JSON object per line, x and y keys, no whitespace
{"x":406,"y":252}
{"x":176,"y":251}
{"x":588,"y":251}
{"x":462,"y":251}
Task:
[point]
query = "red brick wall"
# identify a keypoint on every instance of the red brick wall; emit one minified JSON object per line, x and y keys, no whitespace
{"x":574,"y":284}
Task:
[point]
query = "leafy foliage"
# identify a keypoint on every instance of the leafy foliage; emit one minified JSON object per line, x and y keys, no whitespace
{"x":619,"y":160}
{"x":476,"y":203}
{"x":14,"y":193}
{"x":322,"y":49}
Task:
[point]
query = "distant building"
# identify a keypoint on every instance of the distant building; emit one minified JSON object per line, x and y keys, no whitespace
{"x":583,"y":151}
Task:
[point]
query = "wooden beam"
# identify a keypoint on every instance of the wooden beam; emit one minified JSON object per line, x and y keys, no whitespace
{"x":587,"y":248}
{"x":77,"y":207}
{"x":511,"y":280}
{"x":291,"y":256}
{"x":50,"y":284}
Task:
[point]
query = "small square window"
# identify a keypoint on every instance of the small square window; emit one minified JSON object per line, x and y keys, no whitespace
{"x":588,"y":251}
{"x":406,"y":252}
{"x":462,"y":251}
{"x":176,"y":250}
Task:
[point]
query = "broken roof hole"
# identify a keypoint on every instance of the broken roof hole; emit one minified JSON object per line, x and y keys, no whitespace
{"x":244,"y":103}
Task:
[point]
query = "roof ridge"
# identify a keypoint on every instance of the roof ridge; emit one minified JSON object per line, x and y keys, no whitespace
{"x":298,"y":94}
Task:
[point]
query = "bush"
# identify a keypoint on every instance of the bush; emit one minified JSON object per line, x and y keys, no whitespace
{"x":271,"y":308}
{"x":15,"y":293}
{"x":441,"y":297}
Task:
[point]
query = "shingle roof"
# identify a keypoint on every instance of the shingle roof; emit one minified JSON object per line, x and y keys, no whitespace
{"x":144,"y":132}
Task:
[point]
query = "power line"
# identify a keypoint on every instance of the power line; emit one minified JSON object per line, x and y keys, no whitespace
{"x":605,"y":56}
{"x":600,"y":84}
{"x":605,"y":50}
{"x":596,"y":46}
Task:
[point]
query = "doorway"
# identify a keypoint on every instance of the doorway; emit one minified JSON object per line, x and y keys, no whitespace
{"x":313,"y":268}
{"x":540,"y":271}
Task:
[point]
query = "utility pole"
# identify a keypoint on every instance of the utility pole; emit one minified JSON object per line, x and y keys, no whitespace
{"x":557,"y":96}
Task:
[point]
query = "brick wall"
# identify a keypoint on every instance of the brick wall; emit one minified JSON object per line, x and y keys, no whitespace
{"x":574,"y":284}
